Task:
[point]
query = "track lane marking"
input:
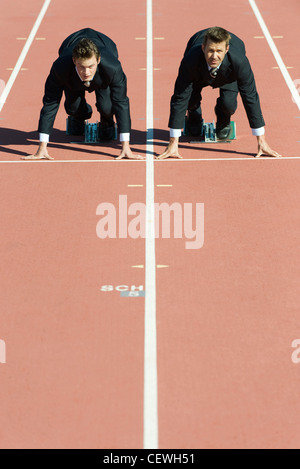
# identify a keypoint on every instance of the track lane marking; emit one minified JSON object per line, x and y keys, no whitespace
{"x":150,"y":434}
{"x":23,"y":54}
{"x":276,"y":54}
{"x":265,"y":158}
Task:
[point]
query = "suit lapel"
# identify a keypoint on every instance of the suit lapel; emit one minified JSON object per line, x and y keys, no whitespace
{"x":222,"y":73}
{"x":204,"y":72}
{"x":97,"y":81}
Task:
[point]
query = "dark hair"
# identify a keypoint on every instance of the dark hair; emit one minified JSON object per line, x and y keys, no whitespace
{"x":217,"y":35}
{"x":85,"y":49}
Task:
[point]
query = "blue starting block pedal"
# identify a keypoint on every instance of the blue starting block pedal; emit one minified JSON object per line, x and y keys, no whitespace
{"x":208,"y":133}
{"x":92,"y":133}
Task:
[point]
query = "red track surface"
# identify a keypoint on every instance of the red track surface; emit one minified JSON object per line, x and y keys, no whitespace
{"x":226,"y":313}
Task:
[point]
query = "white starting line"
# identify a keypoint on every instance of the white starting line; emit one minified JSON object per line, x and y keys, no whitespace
{"x":168,"y":160}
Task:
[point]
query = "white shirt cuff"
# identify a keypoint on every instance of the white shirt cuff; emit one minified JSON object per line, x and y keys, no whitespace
{"x":258,"y":132}
{"x":44,"y":138}
{"x":124,"y":137}
{"x":175,"y":133}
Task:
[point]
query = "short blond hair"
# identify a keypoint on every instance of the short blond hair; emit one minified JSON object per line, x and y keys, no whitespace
{"x":216,"y":34}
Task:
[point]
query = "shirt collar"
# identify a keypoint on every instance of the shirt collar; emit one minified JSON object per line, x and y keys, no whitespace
{"x":217,"y":68}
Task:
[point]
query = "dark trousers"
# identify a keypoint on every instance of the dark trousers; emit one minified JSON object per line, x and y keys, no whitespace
{"x":225,"y":106}
{"x":76,"y":105}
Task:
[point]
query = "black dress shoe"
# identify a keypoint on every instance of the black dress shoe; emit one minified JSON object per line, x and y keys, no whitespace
{"x":194,"y":126}
{"x":223,"y":132}
{"x":106,"y":130}
{"x":76,"y":126}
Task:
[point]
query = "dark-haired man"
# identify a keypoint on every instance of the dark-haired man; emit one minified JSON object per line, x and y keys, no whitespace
{"x":88,"y":61}
{"x":214,"y":57}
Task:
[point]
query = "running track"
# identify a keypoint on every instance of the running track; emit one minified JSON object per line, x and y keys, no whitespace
{"x":205,"y":359}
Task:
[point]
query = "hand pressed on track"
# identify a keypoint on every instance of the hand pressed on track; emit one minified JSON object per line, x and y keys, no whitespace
{"x":41,"y":154}
{"x":37,"y":157}
{"x":171,"y":151}
{"x":264,"y":149}
{"x":127,"y":153}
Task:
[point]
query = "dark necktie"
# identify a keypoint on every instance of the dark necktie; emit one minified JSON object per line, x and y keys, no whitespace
{"x":213,"y":72}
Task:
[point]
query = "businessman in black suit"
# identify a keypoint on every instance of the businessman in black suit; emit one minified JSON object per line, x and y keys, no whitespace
{"x":88,"y":61}
{"x":214,"y":57}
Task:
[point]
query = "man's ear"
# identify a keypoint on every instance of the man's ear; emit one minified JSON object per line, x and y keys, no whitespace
{"x":227,"y":48}
{"x":202,"y":47}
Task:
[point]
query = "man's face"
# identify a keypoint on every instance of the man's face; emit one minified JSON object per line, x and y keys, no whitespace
{"x":214,"y":52}
{"x":87,"y":67}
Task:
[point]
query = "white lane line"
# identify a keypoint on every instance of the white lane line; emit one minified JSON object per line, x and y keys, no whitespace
{"x":69,"y":161}
{"x":169,"y":160}
{"x":150,"y":437}
{"x":265,"y":158}
{"x":276,"y":54}
{"x":23,"y":54}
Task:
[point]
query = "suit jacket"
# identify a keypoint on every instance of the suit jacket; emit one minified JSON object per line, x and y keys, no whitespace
{"x":235,"y":73}
{"x":63,"y":75}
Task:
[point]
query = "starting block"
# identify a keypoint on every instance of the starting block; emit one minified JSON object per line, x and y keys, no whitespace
{"x":92,"y":132}
{"x":208,"y":133}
